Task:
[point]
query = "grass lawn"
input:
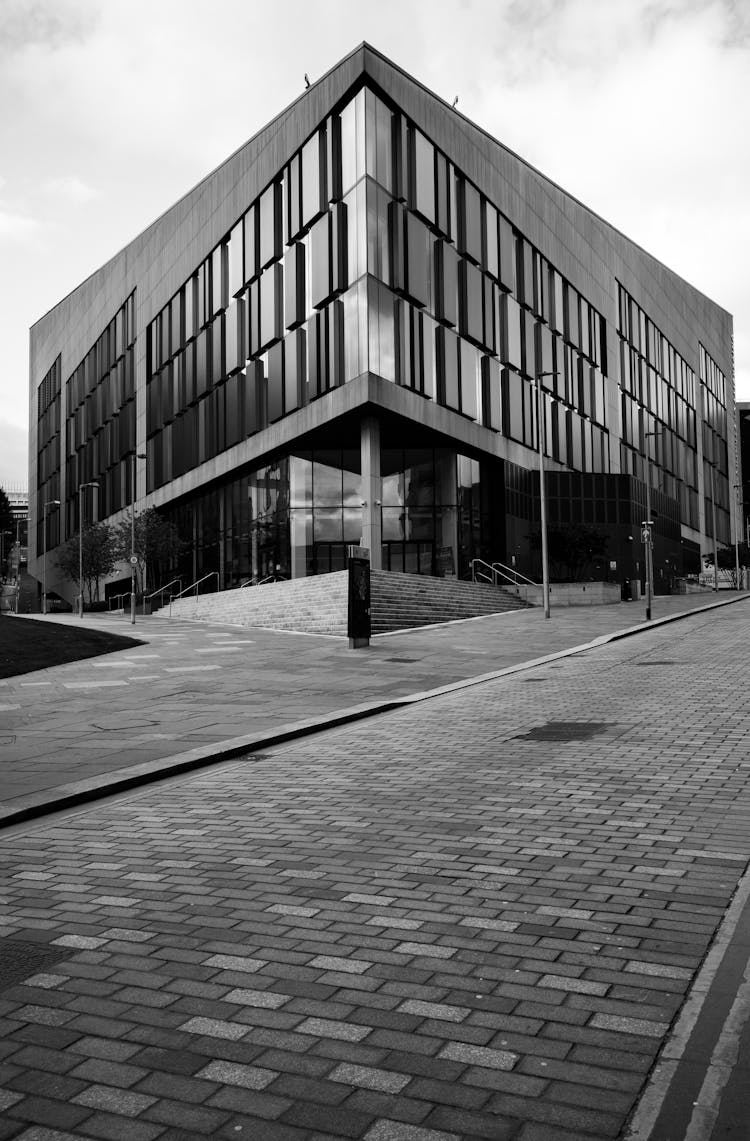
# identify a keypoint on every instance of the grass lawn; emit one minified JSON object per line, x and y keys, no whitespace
{"x":26,"y":645}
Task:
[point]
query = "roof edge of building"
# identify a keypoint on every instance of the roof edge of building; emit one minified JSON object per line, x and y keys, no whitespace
{"x":364,"y":49}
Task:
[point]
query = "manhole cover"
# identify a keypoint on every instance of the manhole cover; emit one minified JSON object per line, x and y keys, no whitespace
{"x":528,"y":679}
{"x":562,"y":731}
{"x":404,"y":660}
{"x":20,"y":959}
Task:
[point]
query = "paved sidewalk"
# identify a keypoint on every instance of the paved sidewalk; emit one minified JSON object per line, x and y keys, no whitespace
{"x":477,"y":916}
{"x":195,"y":691}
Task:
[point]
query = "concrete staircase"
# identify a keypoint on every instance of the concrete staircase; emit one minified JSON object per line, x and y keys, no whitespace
{"x":318,"y":605}
{"x":399,"y":601}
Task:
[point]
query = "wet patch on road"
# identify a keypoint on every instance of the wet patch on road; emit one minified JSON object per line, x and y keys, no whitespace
{"x":561,"y":731}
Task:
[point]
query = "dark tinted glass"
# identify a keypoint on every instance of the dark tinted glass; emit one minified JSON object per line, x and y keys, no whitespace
{"x":270,"y":224}
{"x":417,"y":261}
{"x":313,"y":180}
{"x":423,"y":176}
{"x":469,"y":220}
{"x":470,"y":297}
{"x":447,"y":362}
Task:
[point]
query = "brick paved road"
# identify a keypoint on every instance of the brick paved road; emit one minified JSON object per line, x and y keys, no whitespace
{"x":476,"y":917}
{"x":196,"y":686}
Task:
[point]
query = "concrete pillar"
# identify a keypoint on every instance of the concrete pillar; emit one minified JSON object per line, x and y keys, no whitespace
{"x":372,"y":526}
{"x":222,"y":544}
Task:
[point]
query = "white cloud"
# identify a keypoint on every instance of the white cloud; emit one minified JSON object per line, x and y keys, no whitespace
{"x":634,"y":106}
{"x":14,"y":224}
{"x":71,"y":188}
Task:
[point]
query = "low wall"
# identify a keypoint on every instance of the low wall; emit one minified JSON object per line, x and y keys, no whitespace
{"x":573,"y":594}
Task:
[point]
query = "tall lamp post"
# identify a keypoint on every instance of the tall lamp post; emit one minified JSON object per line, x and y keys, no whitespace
{"x":81,"y":487}
{"x":543,"y":490}
{"x":737,"y":501}
{"x":49,"y":503}
{"x":648,"y":532}
{"x":713,"y":526}
{"x":133,"y":560}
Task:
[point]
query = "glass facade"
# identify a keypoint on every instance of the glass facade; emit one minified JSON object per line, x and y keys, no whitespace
{"x":658,"y":401}
{"x":100,"y":419}
{"x":716,"y":496}
{"x":372,"y":252}
{"x":48,"y":456}
{"x":296,"y":516}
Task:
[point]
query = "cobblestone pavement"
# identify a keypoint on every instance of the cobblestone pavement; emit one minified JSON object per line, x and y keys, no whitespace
{"x":195,"y":686}
{"x":476,"y":917}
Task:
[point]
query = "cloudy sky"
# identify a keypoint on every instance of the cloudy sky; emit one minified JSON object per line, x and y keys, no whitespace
{"x":112,"y":109}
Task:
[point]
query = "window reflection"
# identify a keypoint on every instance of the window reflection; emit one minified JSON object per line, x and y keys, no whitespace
{"x":313,"y":179}
{"x":423,"y":175}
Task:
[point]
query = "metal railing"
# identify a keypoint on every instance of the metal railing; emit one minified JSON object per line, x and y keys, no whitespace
{"x":118,"y":599}
{"x":261,"y":581}
{"x":515,"y":576}
{"x":482,"y":571}
{"x":161,"y":592}
{"x":194,"y":585}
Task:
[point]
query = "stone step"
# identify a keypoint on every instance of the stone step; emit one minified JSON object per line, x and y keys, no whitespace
{"x":319,"y":604}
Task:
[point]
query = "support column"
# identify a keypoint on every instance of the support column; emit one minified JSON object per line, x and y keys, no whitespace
{"x":372,"y":526}
{"x":222,"y":531}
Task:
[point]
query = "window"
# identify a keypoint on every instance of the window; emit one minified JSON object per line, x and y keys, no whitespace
{"x":469,"y":220}
{"x":270,"y":224}
{"x":422,"y":193}
{"x":313,"y":178}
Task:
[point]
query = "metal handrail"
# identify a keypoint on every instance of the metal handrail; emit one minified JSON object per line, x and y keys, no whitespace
{"x":478,"y":574}
{"x":160,"y":592}
{"x":118,"y":598}
{"x":261,"y":581}
{"x":195,"y":585}
{"x":517,"y":574}
{"x":497,"y":571}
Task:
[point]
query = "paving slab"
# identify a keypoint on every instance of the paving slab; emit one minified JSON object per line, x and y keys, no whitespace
{"x":195,"y":692}
{"x":484,"y":914}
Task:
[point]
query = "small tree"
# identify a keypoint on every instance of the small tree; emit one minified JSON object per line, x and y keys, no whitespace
{"x":571,"y":548}
{"x":99,"y":550}
{"x":725,"y":556}
{"x":157,"y":544}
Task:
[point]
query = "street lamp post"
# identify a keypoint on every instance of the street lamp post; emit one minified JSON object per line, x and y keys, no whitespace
{"x":737,"y":489}
{"x":648,"y":532}
{"x":543,"y":491}
{"x":713,"y":527}
{"x":647,"y":525}
{"x":49,"y":503}
{"x":81,"y":486}
{"x":135,"y":456}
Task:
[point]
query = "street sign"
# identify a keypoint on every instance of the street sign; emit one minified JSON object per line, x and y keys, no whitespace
{"x":134,"y":560}
{"x":645,"y":534}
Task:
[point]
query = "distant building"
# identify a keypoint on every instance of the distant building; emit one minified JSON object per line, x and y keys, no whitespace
{"x":337,"y":337}
{"x":15,"y":551}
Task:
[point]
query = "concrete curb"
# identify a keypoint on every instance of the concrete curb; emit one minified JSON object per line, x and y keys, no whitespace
{"x":121,"y":780}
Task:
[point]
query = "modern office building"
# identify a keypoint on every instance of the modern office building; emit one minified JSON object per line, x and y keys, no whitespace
{"x":344,"y":334}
